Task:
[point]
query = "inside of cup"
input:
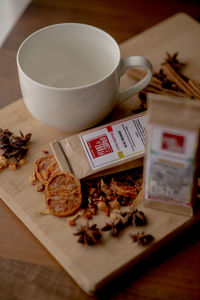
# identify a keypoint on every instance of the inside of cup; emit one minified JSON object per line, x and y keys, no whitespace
{"x":68,"y":55}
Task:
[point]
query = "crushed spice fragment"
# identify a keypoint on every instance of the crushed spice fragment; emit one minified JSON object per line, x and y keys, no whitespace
{"x":45,"y":151}
{"x":12,"y":165}
{"x":40,"y":188}
{"x":22,"y":162}
{"x":63,"y":198}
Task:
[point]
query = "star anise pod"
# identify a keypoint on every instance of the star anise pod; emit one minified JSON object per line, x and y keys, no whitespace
{"x":126,"y":217}
{"x":114,"y":227}
{"x":141,"y":238}
{"x":139,"y":218}
{"x":13,"y":146}
{"x":174,"y":62}
{"x":88,"y":234}
{"x":134,"y":217}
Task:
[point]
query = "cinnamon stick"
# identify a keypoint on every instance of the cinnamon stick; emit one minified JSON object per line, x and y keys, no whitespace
{"x":195,"y":86}
{"x":190,"y":87}
{"x":181,"y":83}
{"x":165,"y":91}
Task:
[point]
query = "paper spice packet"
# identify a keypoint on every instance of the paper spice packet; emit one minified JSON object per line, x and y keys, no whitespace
{"x":106,"y":149}
{"x":173,"y":126}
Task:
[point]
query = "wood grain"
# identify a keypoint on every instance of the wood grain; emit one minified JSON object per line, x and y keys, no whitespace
{"x":90,"y":267}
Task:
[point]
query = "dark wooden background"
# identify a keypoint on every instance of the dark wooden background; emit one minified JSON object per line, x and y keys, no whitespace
{"x":173,"y":272}
{"x":121,"y":18}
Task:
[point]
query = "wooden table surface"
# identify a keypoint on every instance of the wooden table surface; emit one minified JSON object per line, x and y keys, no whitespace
{"x":27,"y":271}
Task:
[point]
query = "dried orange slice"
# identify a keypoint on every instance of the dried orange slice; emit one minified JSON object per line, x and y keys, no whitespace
{"x":45,"y":167}
{"x":64,"y":183}
{"x":123,"y":189}
{"x":64,"y":205}
{"x":63,"y":194}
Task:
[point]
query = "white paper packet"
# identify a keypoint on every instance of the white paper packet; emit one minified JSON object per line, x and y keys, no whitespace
{"x":172,"y":156}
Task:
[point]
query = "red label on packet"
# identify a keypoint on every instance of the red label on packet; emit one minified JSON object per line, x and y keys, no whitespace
{"x":173,"y":142}
{"x":99,"y":146}
{"x":119,"y":141}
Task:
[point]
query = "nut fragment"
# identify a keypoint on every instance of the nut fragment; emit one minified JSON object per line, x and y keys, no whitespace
{"x":45,"y":151}
{"x":21,"y":162}
{"x":40,"y":188}
{"x":33,"y":177}
{"x":3,"y":162}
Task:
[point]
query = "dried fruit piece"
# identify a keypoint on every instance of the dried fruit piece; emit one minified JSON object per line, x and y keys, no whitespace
{"x":63,"y":194}
{"x":63,"y":205}
{"x":72,"y":220}
{"x":45,"y":151}
{"x":63,"y":182}
{"x":40,"y":188}
{"x":45,"y":167}
{"x":102,"y":206}
{"x":105,"y":189}
{"x":123,"y":189}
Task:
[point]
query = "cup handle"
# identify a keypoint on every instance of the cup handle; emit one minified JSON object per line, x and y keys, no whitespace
{"x":135,"y":61}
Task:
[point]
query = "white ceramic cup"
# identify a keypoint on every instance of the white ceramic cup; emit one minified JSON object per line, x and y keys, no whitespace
{"x":69,"y":75}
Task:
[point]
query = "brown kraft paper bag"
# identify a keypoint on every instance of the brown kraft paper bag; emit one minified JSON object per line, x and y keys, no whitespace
{"x":106,"y":149}
{"x":172,"y":153}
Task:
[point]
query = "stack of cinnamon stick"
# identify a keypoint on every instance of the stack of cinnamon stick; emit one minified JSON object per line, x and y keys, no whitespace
{"x":169,"y":80}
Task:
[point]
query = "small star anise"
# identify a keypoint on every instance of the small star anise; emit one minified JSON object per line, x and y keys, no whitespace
{"x":141,"y":238}
{"x":88,"y":234}
{"x":114,"y":227}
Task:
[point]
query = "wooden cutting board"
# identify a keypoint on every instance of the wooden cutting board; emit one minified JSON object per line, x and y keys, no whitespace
{"x":92,"y":267}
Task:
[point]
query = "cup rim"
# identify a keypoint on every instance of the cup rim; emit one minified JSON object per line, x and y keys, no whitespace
{"x":67,"y":88}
